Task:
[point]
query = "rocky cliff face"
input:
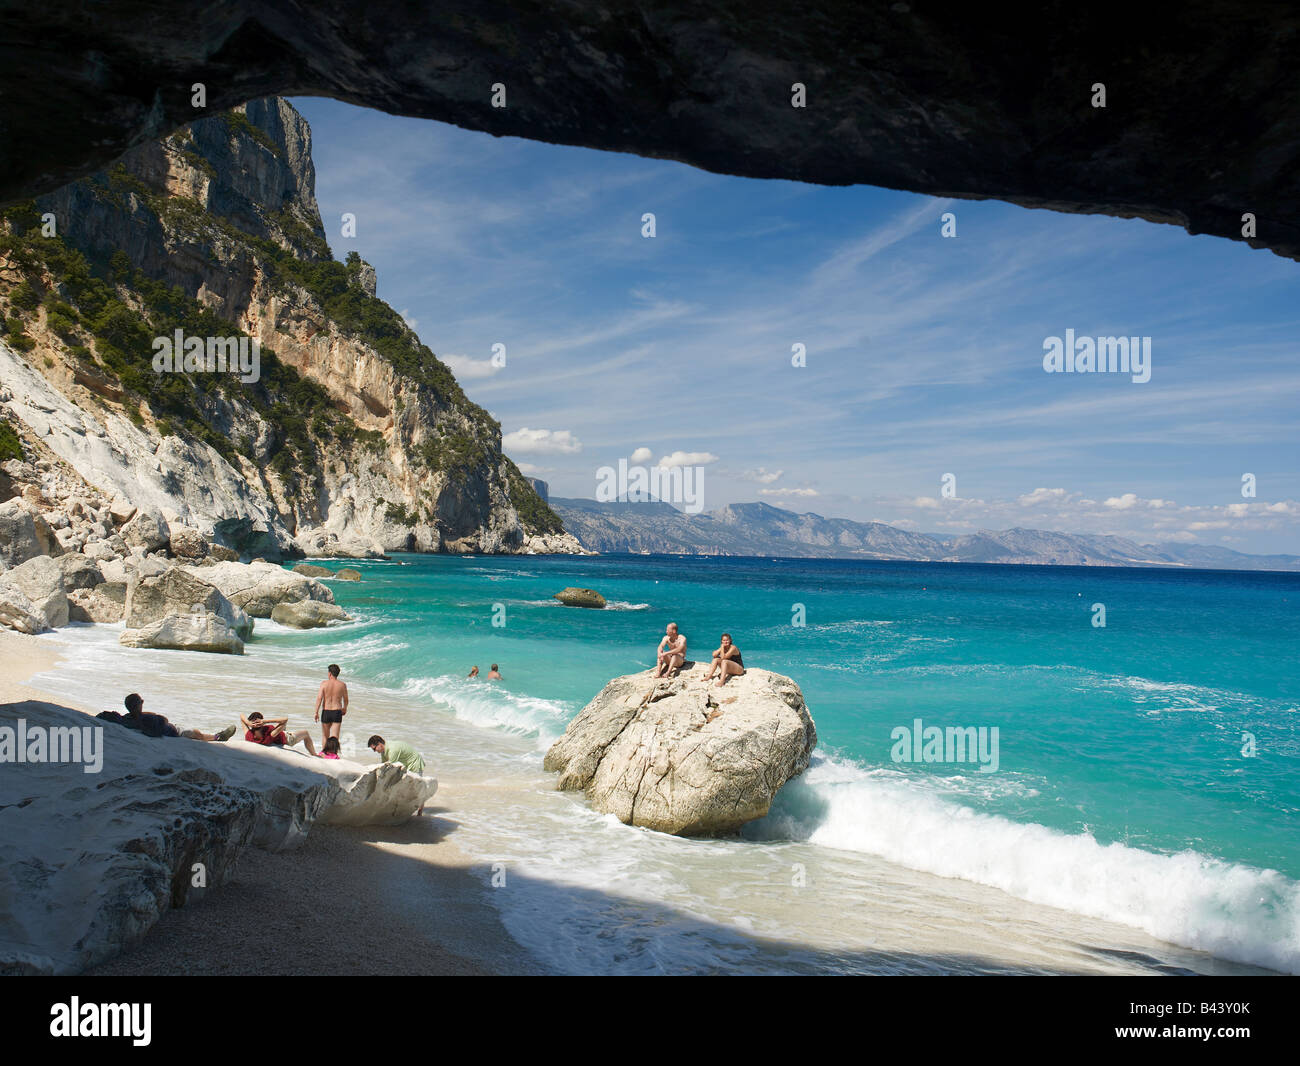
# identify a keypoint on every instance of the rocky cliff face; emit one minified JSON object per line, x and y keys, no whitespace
{"x":347,"y":436}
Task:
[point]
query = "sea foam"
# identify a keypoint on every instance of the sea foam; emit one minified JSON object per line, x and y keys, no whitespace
{"x":1234,"y":911}
{"x":486,"y":704}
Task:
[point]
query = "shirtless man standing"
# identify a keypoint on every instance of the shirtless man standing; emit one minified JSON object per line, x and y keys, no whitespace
{"x":332,"y":701}
{"x":671,"y":653}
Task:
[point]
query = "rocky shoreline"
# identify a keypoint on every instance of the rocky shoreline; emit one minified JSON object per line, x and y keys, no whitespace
{"x":70,"y":553}
{"x":90,"y":559}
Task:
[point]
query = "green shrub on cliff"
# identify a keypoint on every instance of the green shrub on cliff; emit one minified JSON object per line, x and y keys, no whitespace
{"x":25,"y":297}
{"x":366,"y":317}
{"x":198,"y":162}
{"x":455,"y":454}
{"x":11,"y":447}
{"x":16,"y":338}
{"x":237,"y":122}
{"x":397,"y":512}
{"x":61,"y":324}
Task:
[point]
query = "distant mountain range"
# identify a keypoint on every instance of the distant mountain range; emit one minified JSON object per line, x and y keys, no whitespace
{"x":761,"y":529}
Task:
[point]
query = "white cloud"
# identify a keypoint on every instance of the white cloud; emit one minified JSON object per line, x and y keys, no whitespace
{"x":541,"y":442}
{"x":641,"y":456}
{"x":788,"y":492}
{"x":1122,"y":503}
{"x":469,"y":369}
{"x":1041,"y":496}
{"x":533,"y":470}
{"x":927,"y":502}
{"x":688,"y":459}
{"x":762,"y":475}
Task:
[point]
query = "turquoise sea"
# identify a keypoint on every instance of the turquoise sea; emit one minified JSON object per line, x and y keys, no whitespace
{"x":1148,"y":770}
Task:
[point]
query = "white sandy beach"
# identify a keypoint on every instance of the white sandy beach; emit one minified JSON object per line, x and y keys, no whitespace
{"x":431,"y":916}
{"x":20,"y":657}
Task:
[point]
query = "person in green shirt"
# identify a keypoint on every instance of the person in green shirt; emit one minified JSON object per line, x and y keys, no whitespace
{"x":400,"y":752}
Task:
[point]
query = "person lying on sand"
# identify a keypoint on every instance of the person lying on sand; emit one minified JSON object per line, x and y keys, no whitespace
{"x":331,"y":704}
{"x":671,"y":652}
{"x":400,"y":752}
{"x":271,"y":732}
{"x":493,"y":675}
{"x":727,"y":660}
{"x":157,"y":725}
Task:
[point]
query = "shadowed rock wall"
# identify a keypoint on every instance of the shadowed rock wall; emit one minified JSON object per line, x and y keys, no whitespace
{"x":1200,"y":124}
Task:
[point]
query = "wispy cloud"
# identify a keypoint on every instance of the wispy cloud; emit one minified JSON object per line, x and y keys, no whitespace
{"x":527,"y":441}
{"x":922,"y":353}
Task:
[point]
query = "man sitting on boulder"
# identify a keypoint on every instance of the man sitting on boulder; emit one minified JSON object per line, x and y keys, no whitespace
{"x":157,"y":725}
{"x":672,"y":652}
{"x":270,"y":731}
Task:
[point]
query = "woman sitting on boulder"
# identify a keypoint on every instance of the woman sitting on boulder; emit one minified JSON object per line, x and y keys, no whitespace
{"x":727,"y":660}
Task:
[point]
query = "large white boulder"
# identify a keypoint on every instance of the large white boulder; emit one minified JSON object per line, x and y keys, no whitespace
{"x":188,"y":544}
{"x":323,"y":544}
{"x":199,"y":632}
{"x":258,"y":587}
{"x":178,"y":592}
{"x":308,"y":614}
{"x":683,"y":755}
{"x":41,"y":581}
{"x":103,"y":603}
{"x":121,"y":510}
{"x":93,"y":860}
{"x":148,"y":530}
{"x":79,"y":571}
{"x":17,"y":612}
{"x":24,"y":534}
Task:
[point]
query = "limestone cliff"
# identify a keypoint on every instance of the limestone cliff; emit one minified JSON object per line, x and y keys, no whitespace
{"x":353,"y":435}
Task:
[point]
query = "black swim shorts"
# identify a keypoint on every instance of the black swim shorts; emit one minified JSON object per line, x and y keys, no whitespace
{"x":330,"y":717}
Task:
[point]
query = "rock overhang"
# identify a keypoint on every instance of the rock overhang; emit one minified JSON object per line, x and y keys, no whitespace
{"x":1201,"y":125}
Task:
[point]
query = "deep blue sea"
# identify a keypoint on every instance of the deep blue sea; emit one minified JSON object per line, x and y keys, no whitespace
{"x":1132,"y":732}
{"x":1147,"y":771}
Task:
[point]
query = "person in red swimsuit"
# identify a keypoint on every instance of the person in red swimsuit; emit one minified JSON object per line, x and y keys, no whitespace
{"x":271,"y":732}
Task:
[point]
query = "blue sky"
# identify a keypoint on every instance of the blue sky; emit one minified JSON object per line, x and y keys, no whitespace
{"x":924,"y":353}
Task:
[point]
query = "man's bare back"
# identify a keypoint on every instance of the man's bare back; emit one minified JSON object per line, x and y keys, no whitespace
{"x":331,"y":704}
{"x":333,"y":695}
